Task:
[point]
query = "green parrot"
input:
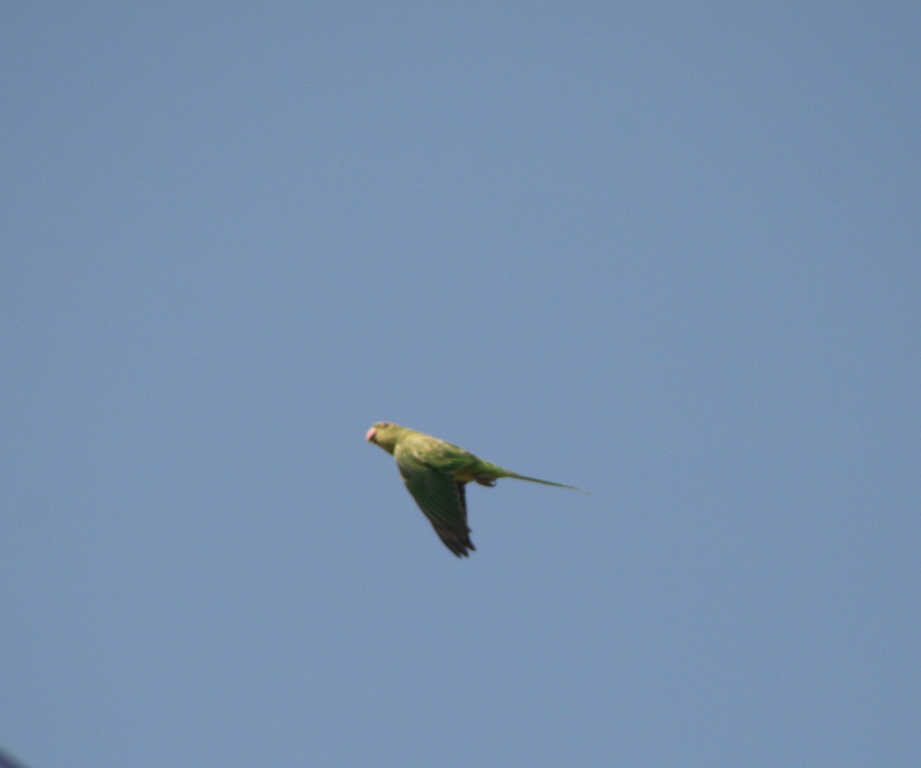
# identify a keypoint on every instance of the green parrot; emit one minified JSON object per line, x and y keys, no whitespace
{"x":435,"y":473}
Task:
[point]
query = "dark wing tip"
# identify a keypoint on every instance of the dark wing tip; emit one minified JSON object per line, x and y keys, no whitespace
{"x":459,"y":547}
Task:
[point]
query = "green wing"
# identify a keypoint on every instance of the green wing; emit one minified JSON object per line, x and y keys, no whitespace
{"x":441,"y":498}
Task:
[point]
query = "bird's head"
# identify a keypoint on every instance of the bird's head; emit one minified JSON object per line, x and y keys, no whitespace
{"x":386,"y":435}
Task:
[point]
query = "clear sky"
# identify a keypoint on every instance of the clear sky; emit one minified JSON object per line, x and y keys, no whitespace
{"x":667,"y":252}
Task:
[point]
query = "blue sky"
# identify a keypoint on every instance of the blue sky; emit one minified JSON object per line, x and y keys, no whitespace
{"x":666,"y":253}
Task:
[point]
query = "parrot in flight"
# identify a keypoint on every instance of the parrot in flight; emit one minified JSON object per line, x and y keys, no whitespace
{"x":435,"y":473}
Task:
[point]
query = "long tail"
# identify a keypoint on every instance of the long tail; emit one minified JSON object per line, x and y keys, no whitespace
{"x":516,"y":476}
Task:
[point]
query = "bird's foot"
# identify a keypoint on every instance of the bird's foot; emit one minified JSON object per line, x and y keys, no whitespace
{"x":487,"y":480}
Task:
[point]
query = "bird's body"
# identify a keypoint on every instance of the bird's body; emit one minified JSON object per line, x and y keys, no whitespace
{"x":435,"y":473}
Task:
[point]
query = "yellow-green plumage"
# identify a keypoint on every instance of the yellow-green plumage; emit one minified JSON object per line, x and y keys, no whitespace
{"x":435,"y":473}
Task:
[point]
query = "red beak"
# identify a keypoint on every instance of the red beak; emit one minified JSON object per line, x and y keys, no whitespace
{"x":370,"y":436}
